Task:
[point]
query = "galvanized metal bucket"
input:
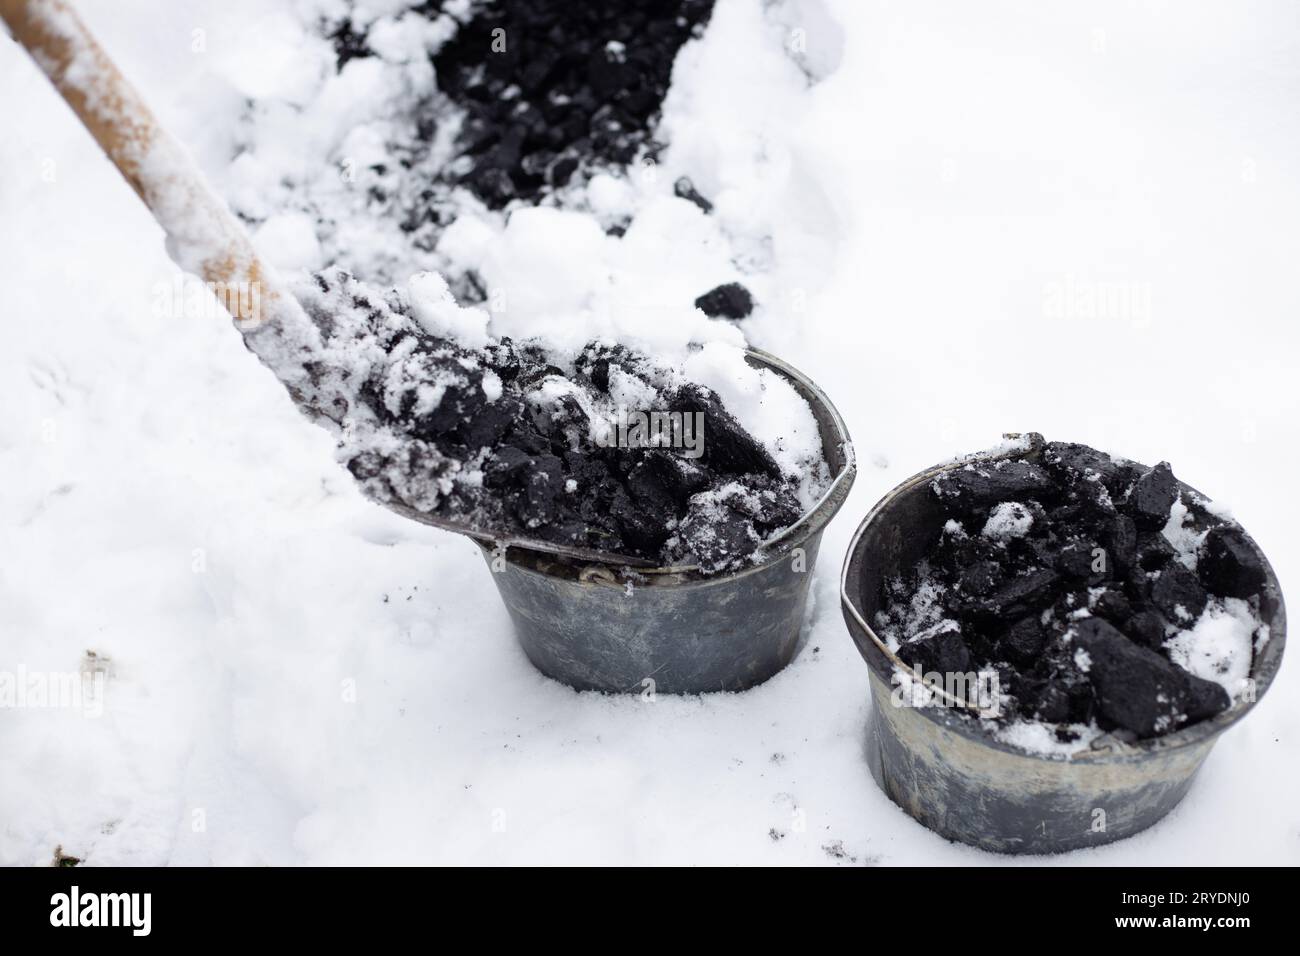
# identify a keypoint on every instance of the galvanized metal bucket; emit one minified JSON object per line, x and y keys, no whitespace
{"x":959,"y":781}
{"x":603,"y":626}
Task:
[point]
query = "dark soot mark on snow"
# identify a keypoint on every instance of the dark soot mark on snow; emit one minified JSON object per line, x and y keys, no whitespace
{"x":1082,"y":503}
{"x":576,"y":86}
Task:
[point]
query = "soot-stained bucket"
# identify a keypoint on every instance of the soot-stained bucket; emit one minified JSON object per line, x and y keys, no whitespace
{"x":959,"y":781}
{"x":599,"y":626}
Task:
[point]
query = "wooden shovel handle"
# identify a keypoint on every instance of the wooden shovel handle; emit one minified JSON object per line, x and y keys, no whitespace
{"x":204,"y":237}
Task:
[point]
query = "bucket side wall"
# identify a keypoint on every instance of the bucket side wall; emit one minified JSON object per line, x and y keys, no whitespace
{"x":1016,"y":803}
{"x":728,"y":633}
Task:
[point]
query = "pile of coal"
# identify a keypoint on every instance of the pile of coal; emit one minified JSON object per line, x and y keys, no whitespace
{"x":1054,"y":570}
{"x":509,"y":436}
{"x":550,"y":87}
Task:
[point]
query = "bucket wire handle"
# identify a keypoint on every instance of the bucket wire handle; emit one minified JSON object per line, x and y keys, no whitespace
{"x":597,"y":574}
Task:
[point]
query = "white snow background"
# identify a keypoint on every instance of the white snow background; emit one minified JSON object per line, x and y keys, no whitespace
{"x":298,"y":676}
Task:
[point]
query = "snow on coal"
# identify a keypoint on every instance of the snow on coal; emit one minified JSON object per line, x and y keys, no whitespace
{"x":446,"y":419}
{"x":1101,"y":597}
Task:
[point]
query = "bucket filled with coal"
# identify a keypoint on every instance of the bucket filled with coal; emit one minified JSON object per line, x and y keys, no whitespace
{"x":1056,"y":638}
{"x":651,"y":521}
{"x":724,"y":606}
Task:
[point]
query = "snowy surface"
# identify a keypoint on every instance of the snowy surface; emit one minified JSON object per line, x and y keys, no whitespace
{"x":1079,"y":221}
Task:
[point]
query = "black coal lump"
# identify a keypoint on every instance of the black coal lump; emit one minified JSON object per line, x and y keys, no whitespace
{"x":729,"y":301}
{"x":1077,"y":558}
{"x":505,"y":465}
{"x":1112,"y":604}
{"x":990,"y":483}
{"x":1153,"y":494}
{"x":656,"y":486}
{"x":1120,"y":541}
{"x":943,"y":652}
{"x":667,"y":477}
{"x":1043,"y":699}
{"x":727,"y":446}
{"x":1148,"y":628}
{"x":732,"y":518}
{"x":1079,"y":462}
{"x":1178,"y":594}
{"x":1228,"y":565}
{"x":1139,"y":690}
{"x":487,"y":425}
{"x":1154,"y":551}
{"x":979,"y":577}
{"x":685,"y":189}
{"x":1019,"y":595}
{"x":1024,"y":641}
{"x":349,"y":44}
{"x":543,"y":485}
{"x":643,"y":528}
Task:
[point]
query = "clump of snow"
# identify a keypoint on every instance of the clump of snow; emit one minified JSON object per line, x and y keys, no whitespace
{"x":1036,"y":737}
{"x":1004,"y":449}
{"x":610,"y":196}
{"x":546,"y":269}
{"x":435,"y":308}
{"x":465,"y":243}
{"x":1180,"y":531}
{"x":1218,"y":646}
{"x":768,"y":408}
{"x":1008,"y":520}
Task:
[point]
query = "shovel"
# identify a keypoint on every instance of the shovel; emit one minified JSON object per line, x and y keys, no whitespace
{"x":204,"y":237}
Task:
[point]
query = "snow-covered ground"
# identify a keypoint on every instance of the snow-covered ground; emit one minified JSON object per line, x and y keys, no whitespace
{"x":297,"y":676}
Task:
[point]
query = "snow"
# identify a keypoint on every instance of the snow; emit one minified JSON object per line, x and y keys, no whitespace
{"x":1007,"y":520}
{"x":276,"y":698}
{"x":437,"y":312}
{"x":1180,"y":532}
{"x":768,"y":409}
{"x":1218,"y":646}
{"x":1039,"y":738}
{"x":288,"y":241}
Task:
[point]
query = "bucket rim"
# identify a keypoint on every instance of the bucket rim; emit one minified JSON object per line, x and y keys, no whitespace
{"x":813,"y":520}
{"x":1019,"y":445}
